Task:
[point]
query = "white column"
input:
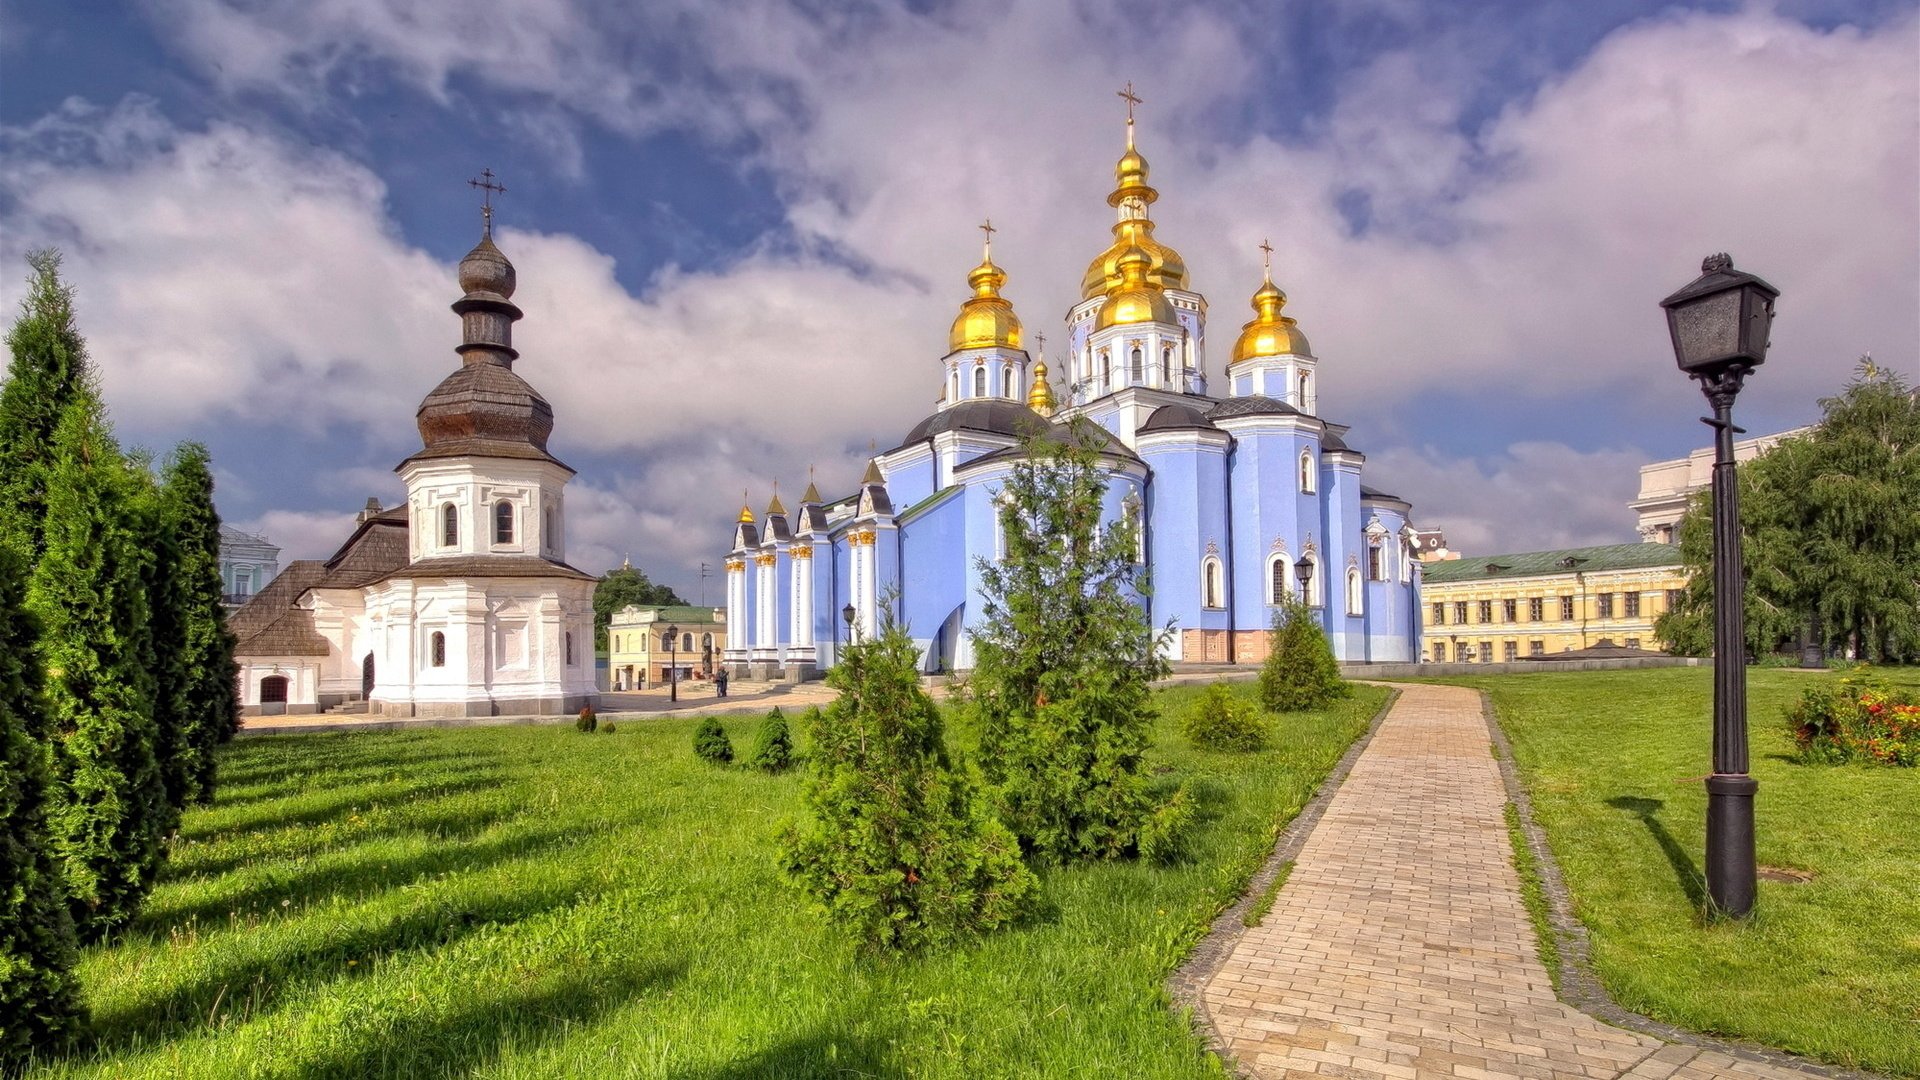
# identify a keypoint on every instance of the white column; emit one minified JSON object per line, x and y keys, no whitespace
{"x":736,"y":608}
{"x":764,"y":603}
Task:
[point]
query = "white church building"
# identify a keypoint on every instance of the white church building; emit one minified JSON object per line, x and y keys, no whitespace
{"x":459,"y":601}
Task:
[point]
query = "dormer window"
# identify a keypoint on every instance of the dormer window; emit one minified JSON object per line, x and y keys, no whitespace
{"x":449,"y":526}
{"x":503,"y":522}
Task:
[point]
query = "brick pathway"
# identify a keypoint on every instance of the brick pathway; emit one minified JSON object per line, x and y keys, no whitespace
{"x":1399,"y":945}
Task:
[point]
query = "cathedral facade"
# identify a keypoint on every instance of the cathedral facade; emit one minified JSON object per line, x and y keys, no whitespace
{"x":458,"y":601}
{"x":1242,"y":499}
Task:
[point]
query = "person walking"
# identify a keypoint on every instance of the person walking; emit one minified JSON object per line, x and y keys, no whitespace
{"x":720,"y":682}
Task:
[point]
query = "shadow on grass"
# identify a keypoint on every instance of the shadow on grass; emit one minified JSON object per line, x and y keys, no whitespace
{"x":251,"y":762}
{"x":243,"y":983}
{"x":341,"y":804}
{"x":466,"y":1039}
{"x":196,"y":860}
{"x":1683,"y":865}
{"x":806,"y":1057}
{"x":355,"y":877}
{"x":294,"y":782}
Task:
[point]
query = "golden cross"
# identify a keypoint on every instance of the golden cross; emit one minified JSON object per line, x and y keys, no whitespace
{"x":987,"y":227}
{"x":1132,"y":99}
{"x":1042,"y":339}
{"x":1266,"y":250}
{"x":485,"y":182}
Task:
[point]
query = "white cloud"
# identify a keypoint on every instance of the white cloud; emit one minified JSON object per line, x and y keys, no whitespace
{"x":1532,"y":496}
{"x":301,"y":534}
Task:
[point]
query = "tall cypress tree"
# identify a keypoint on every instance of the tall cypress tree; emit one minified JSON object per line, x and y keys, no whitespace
{"x":164,"y":647}
{"x":40,"y":1007}
{"x":47,"y":369}
{"x":208,"y":711}
{"x":109,"y":816}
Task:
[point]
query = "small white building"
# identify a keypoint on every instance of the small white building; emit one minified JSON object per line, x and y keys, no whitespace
{"x":459,"y":601}
{"x":247,"y":564}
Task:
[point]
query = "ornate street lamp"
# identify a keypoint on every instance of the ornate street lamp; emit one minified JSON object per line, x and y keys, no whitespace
{"x":846,"y":614}
{"x":1719,"y":324}
{"x":1304,"y":568}
{"x":673,"y":663}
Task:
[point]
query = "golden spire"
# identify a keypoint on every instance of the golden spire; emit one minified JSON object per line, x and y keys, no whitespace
{"x":1269,"y":333}
{"x":746,"y":508}
{"x":812,"y":494}
{"x":1131,"y":196}
{"x":873,"y":473}
{"x":1040,"y":398}
{"x":775,"y":507}
{"x":986,"y":319}
{"x":1136,"y":299}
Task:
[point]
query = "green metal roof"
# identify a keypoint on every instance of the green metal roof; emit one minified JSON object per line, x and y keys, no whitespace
{"x":1541,"y":563}
{"x":674,"y":614}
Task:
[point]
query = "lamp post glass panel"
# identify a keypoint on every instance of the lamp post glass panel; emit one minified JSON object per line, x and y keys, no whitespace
{"x":673,"y":663}
{"x":847,"y":613}
{"x":1719,"y":323}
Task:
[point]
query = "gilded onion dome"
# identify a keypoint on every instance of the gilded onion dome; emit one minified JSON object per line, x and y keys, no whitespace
{"x":1135,"y":299}
{"x":1269,"y":333}
{"x":987,"y":318}
{"x":1040,"y":398}
{"x":1131,"y":196}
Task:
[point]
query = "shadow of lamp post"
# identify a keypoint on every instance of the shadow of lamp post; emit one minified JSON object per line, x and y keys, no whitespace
{"x":1719,"y":324}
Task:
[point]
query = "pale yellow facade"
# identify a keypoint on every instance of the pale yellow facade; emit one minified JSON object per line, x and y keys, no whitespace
{"x":638,"y":654}
{"x":1498,"y":619}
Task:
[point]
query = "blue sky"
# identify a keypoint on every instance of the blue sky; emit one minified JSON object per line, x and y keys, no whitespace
{"x":742,"y":229}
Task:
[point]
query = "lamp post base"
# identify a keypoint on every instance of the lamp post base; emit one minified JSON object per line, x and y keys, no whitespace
{"x":1730,"y":863}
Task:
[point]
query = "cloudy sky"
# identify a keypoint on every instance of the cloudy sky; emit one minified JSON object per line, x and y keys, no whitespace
{"x":742,"y":228}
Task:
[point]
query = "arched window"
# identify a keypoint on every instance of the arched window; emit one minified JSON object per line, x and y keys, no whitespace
{"x":686,"y":643}
{"x":1356,"y":593}
{"x":569,"y":643}
{"x":666,"y":642}
{"x":1278,"y":588}
{"x":552,"y":542}
{"x":1376,"y":560}
{"x":1306,"y":471}
{"x":980,"y":381}
{"x":1210,"y":591}
{"x":1136,"y":373}
{"x":1006,"y":382}
{"x":1166,"y":366}
{"x":1306,"y":392}
{"x":1106,"y":371}
{"x":955,"y":382}
{"x":437,"y":649}
{"x":503,"y":522}
{"x":449,"y":526}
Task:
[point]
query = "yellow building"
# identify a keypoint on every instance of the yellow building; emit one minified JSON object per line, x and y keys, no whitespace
{"x":1492,"y":609}
{"x":639,"y":654}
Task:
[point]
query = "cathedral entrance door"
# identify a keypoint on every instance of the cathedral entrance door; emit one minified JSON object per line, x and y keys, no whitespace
{"x":366,"y":677}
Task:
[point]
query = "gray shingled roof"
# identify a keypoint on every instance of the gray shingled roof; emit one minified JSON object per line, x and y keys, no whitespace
{"x":996,"y":416}
{"x":1567,"y":560}
{"x":1252,"y":405}
{"x":270,"y":624}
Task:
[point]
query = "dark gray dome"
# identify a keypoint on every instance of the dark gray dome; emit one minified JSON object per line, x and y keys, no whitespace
{"x":996,"y":416}
{"x":1178,"y":417}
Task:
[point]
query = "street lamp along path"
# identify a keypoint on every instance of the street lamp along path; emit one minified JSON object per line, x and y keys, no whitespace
{"x":1719,"y":323}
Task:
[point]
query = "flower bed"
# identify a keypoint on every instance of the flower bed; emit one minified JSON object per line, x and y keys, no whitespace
{"x":1858,"y":718}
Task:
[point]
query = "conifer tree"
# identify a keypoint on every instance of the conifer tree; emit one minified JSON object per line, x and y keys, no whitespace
{"x":47,"y":368}
{"x":1064,"y":661}
{"x":900,"y":848}
{"x":40,"y":1007}
{"x":161,"y":645}
{"x":1300,"y":672}
{"x":208,"y":713}
{"x":109,"y":816}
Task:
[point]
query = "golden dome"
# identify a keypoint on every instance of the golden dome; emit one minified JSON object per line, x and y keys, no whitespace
{"x":1131,"y":196}
{"x":746,"y":510}
{"x":1269,"y":333}
{"x":986,"y":319}
{"x":1136,"y":299}
{"x":1040,"y":398}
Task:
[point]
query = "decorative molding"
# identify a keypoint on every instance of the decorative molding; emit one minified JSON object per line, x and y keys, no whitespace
{"x":1213,"y":549}
{"x":736,"y":565}
{"x":764,"y":560}
{"x":801,"y":551}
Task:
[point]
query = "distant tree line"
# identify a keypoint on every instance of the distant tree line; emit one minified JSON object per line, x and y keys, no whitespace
{"x":624,"y":588}
{"x":116,"y":668}
{"x":1830,"y":524}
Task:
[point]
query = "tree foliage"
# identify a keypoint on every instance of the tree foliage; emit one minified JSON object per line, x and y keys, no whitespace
{"x":40,"y":1008}
{"x":1300,"y":672}
{"x":900,"y":848}
{"x":47,"y":369}
{"x":1830,"y":527}
{"x":710,"y":742}
{"x":1064,"y":660}
{"x":1220,"y":720}
{"x":623,"y":588}
{"x":109,"y":816}
{"x":773,"y":744}
{"x":207,"y":710}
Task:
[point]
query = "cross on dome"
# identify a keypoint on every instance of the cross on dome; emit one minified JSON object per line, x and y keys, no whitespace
{"x":1266,"y":257}
{"x":987,"y":228}
{"x":1131,"y":99}
{"x":487,"y":185}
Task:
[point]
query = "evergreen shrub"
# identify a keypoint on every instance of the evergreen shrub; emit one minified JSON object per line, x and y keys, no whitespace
{"x":1219,"y":720}
{"x":710,"y":742}
{"x":1300,"y":672}
{"x":608,"y":728}
{"x":773,"y":745}
{"x":900,"y":848}
{"x":587,"y":721}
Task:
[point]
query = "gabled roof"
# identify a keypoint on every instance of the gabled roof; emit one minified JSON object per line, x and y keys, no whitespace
{"x":1562,"y":561}
{"x":270,"y":624}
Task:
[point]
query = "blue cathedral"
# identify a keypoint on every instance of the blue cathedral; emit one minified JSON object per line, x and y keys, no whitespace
{"x":1241,"y":500}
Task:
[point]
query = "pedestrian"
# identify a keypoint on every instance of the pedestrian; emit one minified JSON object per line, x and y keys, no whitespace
{"x":720,"y":682}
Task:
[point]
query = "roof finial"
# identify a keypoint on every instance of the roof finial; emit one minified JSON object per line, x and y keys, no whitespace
{"x":1040,"y":341}
{"x":986,"y":252}
{"x":1132,"y":99}
{"x":1266,"y":257}
{"x":487,"y":185}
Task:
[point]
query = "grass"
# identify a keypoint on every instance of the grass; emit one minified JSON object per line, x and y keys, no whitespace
{"x":1532,"y":891}
{"x":1829,"y":968}
{"x":537,"y":902}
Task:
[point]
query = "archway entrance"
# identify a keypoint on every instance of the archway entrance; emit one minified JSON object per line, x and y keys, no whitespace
{"x":366,"y":677}
{"x":273,"y":694}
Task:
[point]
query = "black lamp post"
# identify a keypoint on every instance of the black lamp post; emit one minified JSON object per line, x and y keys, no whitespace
{"x":846,"y":614}
{"x":1719,"y":324}
{"x":1304,"y":568}
{"x":673,"y":663}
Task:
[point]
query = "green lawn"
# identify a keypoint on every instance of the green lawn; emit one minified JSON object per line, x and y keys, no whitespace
{"x":1829,"y":968}
{"x":516,"y":902}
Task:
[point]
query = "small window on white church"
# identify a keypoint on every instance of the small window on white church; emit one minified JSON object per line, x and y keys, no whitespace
{"x":1306,"y":472}
{"x":437,"y":648}
{"x":503,"y":522}
{"x":449,"y":526}
{"x":1355,"y":591}
{"x":980,"y":381}
{"x":552,"y":538}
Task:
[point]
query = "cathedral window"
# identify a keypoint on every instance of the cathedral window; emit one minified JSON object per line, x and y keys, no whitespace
{"x":503,"y":522}
{"x":1210,"y":591}
{"x":1355,"y":592}
{"x":1136,"y":373}
{"x":1277,"y":578}
{"x":1376,"y":561}
{"x":569,"y":643}
{"x":980,"y":381}
{"x":1006,"y":382}
{"x":1106,"y":371}
{"x":552,"y":536}
{"x":1306,"y":390}
{"x":449,"y":526}
{"x":1306,"y":471}
{"x":1166,"y":366}
{"x":437,"y":649}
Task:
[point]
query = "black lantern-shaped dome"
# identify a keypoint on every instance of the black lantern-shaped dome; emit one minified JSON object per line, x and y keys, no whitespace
{"x":1720,"y":320}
